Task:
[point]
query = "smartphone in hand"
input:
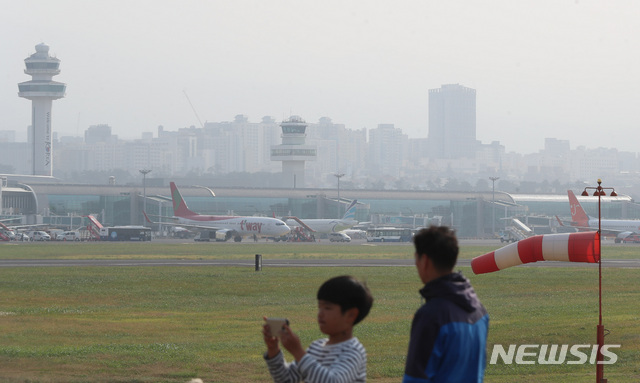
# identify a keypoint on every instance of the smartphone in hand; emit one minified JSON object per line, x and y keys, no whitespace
{"x":276,"y":325}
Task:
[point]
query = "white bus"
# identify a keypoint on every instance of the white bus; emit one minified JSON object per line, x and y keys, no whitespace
{"x":389,"y":234}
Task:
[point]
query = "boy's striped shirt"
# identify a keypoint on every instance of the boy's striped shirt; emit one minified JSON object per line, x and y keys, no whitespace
{"x":344,"y":362}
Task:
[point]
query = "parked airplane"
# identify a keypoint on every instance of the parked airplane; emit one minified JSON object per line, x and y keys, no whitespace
{"x":627,"y":230}
{"x":224,"y":226}
{"x":326,"y":225}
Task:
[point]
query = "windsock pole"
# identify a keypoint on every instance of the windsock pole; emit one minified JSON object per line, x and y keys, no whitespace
{"x":599,"y":192}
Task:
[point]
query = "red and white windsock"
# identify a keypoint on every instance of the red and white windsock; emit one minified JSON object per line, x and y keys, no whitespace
{"x":570,"y":247}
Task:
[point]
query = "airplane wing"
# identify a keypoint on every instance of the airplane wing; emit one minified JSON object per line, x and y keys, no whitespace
{"x":617,"y":233}
{"x":185,"y":225}
{"x":9,"y":219}
{"x":16,"y":227}
{"x":29,"y":226}
{"x":605,"y":232}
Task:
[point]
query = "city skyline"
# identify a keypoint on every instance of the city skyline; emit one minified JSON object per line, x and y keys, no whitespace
{"x":389,"y":159}
{"x":562,"y":69}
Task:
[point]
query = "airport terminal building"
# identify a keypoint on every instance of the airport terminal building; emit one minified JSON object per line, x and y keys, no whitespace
{"x":471,"y":214}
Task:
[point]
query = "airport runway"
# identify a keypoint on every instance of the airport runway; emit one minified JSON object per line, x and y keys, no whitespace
{"x":621,"y":263}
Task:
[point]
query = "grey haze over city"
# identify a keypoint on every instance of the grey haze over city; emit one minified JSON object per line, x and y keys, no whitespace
{"x":566,"y":69}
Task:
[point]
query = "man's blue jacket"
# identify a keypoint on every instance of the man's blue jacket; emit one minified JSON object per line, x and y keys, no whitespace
{"x":448,"y":334}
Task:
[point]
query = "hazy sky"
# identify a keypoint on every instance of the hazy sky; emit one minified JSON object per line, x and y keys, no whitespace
{"x":568,"y":69}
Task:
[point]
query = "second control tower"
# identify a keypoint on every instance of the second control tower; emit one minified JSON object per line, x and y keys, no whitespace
{"x":41,"y":90}
{"x":293,"y":152}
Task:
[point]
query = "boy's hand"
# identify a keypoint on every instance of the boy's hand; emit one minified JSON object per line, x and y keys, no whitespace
{"x":291,"y":342}
{"x":270,"y":340}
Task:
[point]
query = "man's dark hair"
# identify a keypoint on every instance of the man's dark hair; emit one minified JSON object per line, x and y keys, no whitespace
{"x":347,"y":292}
{"x":440,"y":244}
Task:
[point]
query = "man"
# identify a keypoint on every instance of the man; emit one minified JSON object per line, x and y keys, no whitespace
{"x":449,"y":332}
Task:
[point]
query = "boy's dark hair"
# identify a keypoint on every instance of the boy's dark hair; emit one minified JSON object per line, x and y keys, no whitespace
{"x":440,"y":244}
{"x":347,"y":292}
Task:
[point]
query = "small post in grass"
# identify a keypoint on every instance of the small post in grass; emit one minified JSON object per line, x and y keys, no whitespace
{"x":258,"y":262}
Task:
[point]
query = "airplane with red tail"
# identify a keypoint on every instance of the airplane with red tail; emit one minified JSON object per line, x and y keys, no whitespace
{"x":625,"y":230}
{"x":226,"y":227}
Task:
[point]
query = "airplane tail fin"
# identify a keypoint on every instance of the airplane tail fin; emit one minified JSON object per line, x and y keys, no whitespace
{"x":578,"y":215}
{"x":180,"y":208}
{"x":146,"y":217}
{"x":350,"y":214}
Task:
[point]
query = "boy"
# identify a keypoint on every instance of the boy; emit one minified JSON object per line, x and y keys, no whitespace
{"x":342,"y":303}
{"x":449,"y":332}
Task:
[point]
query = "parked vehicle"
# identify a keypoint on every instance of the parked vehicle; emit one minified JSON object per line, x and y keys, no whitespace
{"x":125,"y":233}
{"x":69,"y":236}
{"x":55,"y":234}
{"x":339,"y":237}
{"x":22,"y":237}
{"x":507,"y":237}
{"x":39,"y":236}
{"x":181,"y":232}
{"x":389,"y":234}
{"x":210,"y":235}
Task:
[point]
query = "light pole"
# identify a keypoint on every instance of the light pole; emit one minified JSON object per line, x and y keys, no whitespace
{"x":599,"y":192}
{"x":3,"y":184}
{"x":338,"y":176}
{"x":144,"y":173}
{"x":493,"y":205}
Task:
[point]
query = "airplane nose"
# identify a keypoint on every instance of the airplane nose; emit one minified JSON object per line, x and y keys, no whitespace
{"x":286,"y":229}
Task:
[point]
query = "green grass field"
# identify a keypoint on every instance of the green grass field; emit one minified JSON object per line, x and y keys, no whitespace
{"x":157,"y":324}
{"x":227,"y":250}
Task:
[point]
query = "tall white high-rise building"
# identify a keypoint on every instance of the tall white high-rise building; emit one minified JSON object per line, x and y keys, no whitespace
{"x":41,"y":90}
{"x":452,"y":122}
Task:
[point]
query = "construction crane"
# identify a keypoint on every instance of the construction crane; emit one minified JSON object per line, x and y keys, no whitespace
{"x":194,"y":109}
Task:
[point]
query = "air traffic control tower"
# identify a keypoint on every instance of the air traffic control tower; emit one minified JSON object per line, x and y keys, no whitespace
{"x":293,"y":152}
{"x":41,"y":90}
